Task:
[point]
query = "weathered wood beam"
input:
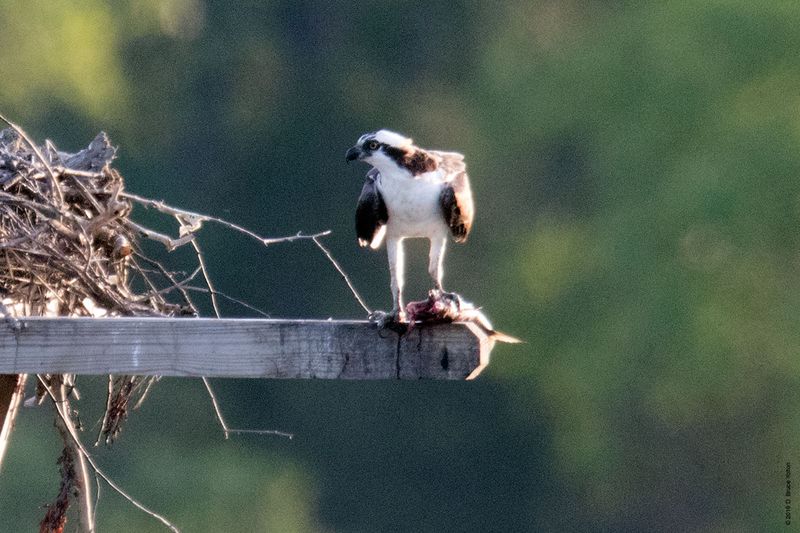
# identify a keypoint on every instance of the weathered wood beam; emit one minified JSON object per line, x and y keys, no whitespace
{"x":328,"y":349}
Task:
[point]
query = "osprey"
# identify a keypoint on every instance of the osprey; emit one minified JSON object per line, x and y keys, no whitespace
{"x":410,"y":193}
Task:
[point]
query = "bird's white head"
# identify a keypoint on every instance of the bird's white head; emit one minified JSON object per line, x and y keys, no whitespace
{"x":383,"y":149}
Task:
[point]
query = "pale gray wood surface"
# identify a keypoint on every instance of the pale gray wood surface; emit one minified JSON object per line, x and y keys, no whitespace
{"x":241,"y":348}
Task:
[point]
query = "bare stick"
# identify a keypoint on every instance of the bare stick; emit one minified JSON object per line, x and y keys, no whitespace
{"x":67,"y":430}
{"x":86,"y":194}
{"x":217,"y":409}
{"x":53,"y":181}
{"x":147,"y":388}
{"x":342,"y":272}
{"x":66,"y":171}
{"x":99,"y":472}
{"x":177,"y":285}
{"x":289,"y":436}
{"x":153,"y":289}
{"x":109,"y":393}
{"x":202,"y":261}
{"x":188,"y":216}
{"x":12,"y":389}
{"x":96,"y":496}
{"x":224,"y":296}
{"x":168,"y":242}
{"x":170,"y":276}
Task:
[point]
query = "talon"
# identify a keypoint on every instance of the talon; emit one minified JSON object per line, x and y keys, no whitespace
{"x":452,"y":297}
{"x":379,"y":317}
{"x":394,"y":320}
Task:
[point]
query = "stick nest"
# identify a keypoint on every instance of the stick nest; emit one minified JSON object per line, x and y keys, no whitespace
{"x":69,"y":248}
{"x":65,"y":235}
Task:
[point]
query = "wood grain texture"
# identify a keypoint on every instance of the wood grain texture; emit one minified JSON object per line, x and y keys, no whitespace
{"x":241,"y":348}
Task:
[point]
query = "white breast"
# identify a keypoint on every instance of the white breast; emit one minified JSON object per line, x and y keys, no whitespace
{"x":412,"y":204}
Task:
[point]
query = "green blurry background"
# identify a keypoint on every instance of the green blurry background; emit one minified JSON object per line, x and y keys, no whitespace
{"x":635,"y":171}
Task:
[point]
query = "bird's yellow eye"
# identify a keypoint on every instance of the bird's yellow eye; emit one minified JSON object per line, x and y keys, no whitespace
{"x":372,"y":145}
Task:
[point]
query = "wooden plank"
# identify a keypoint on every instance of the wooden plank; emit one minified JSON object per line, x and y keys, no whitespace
{"x":241,"y":348}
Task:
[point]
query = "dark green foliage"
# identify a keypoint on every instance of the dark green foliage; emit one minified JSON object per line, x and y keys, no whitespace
{"x":635,"y":170}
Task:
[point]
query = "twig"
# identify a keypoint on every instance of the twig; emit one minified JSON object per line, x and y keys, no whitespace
{"x":53,"y":180}
{"x":169,"y":243}
{"x":14,"y":389}
{"x":67,"y":428}
{"x":170,"y":276}
{"x":154,"y":291}
{"x":202,"y":261}
{"x":13,"y":243}
{"x":99,"y":472}
{"x":96,"y":496}
{"x":215,"y":404}
{"x":66,"y":171}
{"x":343,"y":274}
{"x":100,"y":209}
{"x":226,"y":297}
{"x":147,"y":388}
{"x":289,"y":436}
{"x":177,"y":285}
{"x":184,"y":215}
{"x":109,"y":393}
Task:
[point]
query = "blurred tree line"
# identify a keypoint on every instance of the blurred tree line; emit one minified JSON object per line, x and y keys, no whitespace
{"x":635,"y":172}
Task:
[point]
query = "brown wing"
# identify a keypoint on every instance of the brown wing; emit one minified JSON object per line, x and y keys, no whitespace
{"x":371,"y":214}
{"x":456,"y":196}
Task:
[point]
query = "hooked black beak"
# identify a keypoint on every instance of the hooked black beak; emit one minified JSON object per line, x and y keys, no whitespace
{"x":352,"y":154}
